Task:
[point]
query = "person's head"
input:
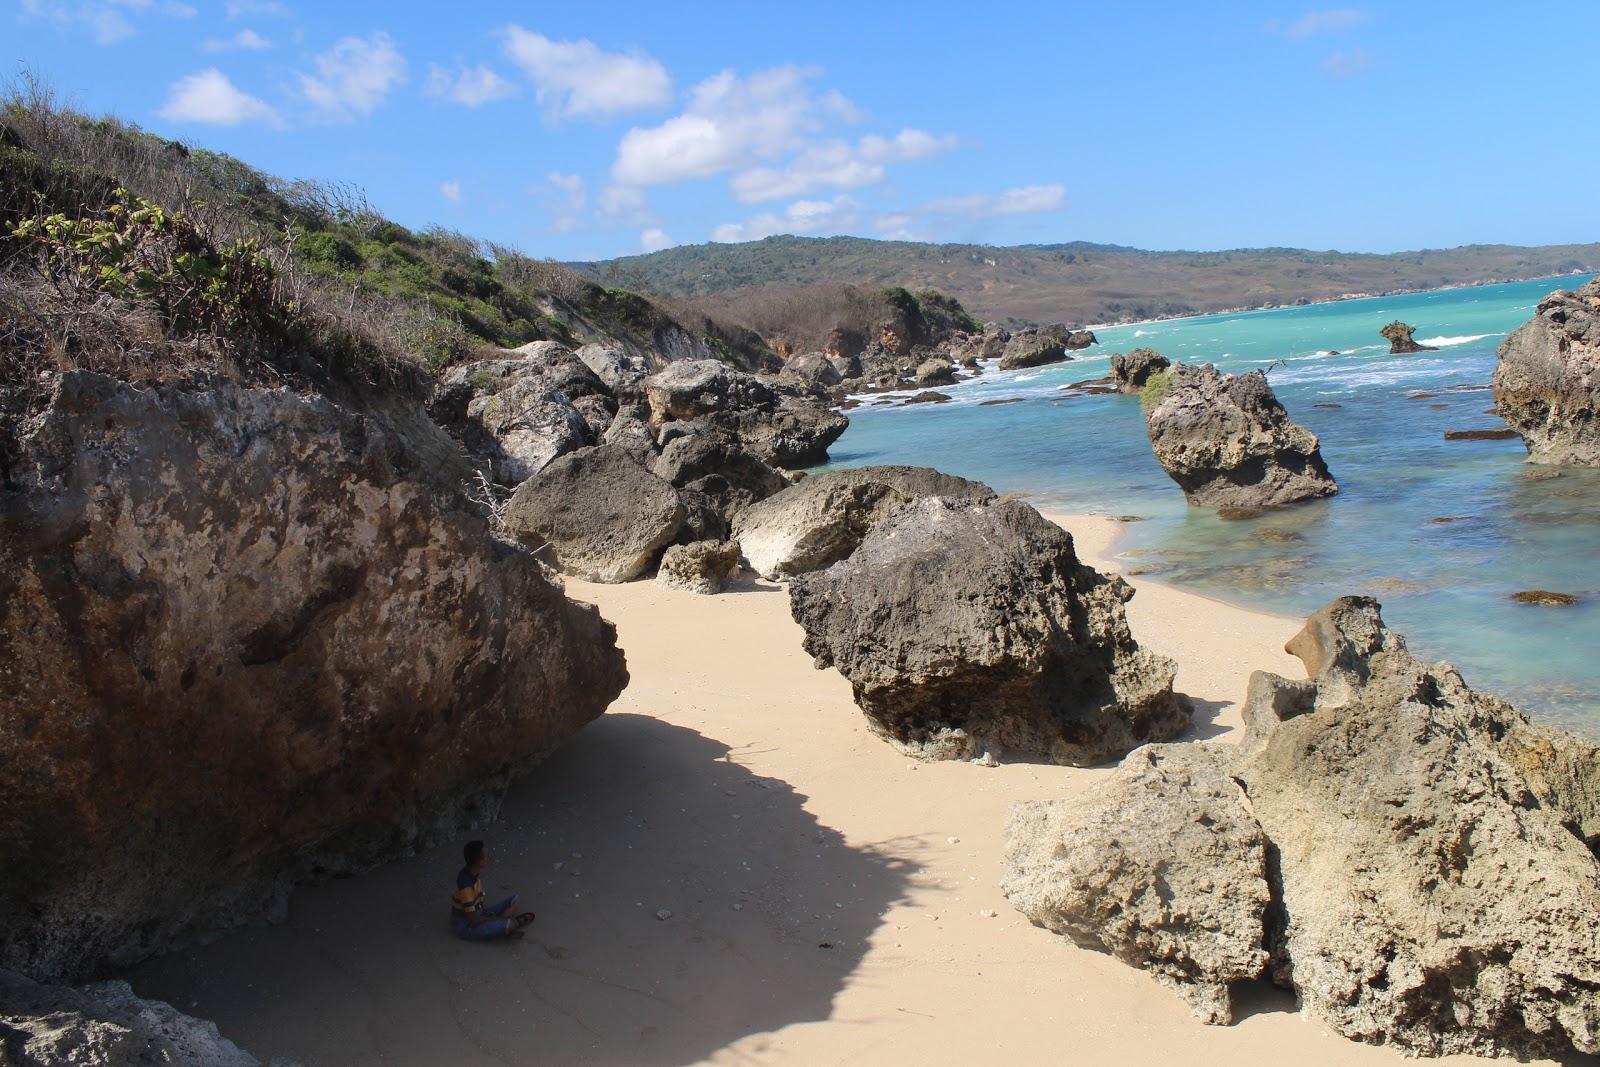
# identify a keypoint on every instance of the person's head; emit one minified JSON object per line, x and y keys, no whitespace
{"x":476,"y":855}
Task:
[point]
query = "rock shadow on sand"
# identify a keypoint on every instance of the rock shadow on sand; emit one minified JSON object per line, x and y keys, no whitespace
{"x":766,"y":914}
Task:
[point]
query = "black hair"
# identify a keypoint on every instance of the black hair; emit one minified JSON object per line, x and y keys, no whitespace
{"x":472,"y":853}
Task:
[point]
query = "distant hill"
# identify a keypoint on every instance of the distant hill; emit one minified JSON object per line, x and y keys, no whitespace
{"x":1081,"y":282}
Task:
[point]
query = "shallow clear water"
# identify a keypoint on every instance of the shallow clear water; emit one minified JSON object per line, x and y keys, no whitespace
{"x":1444,"y":584}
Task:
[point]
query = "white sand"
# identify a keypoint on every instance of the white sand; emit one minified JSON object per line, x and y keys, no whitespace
{"x":737,"y":787}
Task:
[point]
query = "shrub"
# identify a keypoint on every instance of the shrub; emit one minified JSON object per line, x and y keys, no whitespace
{"x":1155,"y":389}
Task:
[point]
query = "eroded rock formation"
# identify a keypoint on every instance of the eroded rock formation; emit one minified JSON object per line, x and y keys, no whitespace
{"x":1398,"y":334}
{"x":700,"y":566}
{"x":1547,"y":385}
{"x":1227,"y":441}
{"x":1130,"y":372}
{"x":1016,"y":649}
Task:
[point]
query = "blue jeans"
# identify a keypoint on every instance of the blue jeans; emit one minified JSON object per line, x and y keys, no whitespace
{"x":488,"y":929}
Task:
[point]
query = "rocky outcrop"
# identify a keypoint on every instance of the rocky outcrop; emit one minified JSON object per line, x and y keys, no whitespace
{"x":939,"y":371}
{"x":1161,"y":866}
{"x":812,"y":369}
{"x":787,"y":427}
{"x":1227,"y":441}
{"x":988,"y":345}
{"x":1034,"y":347}
{"x":1017,"y":650}
{"x":700,"y":567}
{"x":822,"y":519}
{"x":1547,"y":385}
{"x":1130,"y":372}
{"x":251,"y":637}
{"x":104,"y":1025}
{"x":522,"y":413}
{"x":1430,"y":854}
{"x":712,"y":467}
{"x":1398,"y":334}
{"x":598,"y":515}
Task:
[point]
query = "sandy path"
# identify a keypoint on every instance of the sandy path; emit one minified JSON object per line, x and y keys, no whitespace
{"x":736,"y":786}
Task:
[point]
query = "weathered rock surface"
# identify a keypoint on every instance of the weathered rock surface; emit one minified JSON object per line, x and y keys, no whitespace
{"x":1547,"y":385}
{"x":251,"y":637}
{"x":1130,"y":372}
{"x":1160,"y":865}
{"x":822,"y":519}
{"x":778,"y":421}
{"x":700,"y":567}
{"x":939,"y":371}
{"x":716,"y":465}
{"x":520,"y":414}
{"x":1227,"y":441}
{"x":685,"y":391}
{"x":1438,"y":889}
{"x":812,"y":368}
{"x":1035,"y":347}
{"x":598,"y":513}
{"x":1016,"y":649}
{"x":1398,"y":334}
{"x":103,"y":1025}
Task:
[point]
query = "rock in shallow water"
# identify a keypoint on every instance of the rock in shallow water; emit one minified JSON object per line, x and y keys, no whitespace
{"x":966,"y":628}
{"x":1547,"y":384}
{"x":252,"y":637}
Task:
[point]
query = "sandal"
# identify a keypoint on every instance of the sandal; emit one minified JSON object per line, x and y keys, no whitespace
{"x":522,"y":920}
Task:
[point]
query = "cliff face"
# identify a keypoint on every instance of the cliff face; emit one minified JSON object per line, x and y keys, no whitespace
{"x":251,"y":636}
{"x":1547,"y":386}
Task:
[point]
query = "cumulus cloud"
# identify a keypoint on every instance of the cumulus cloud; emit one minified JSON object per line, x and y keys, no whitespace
{"x":622,"y":203}
{"x":1331,"y":21}
{"x":576,"y":79}
{"x":1022,"y":200}
{"x":471,"y":86}
{"x":802,"y":216}
{"x":450,"y":190}
{"x":837,"y":165}
{"x":107,"y":22}
{"x":209,"y":97}
{"x":655,"y":239}
{"x":353,"y":77}
{"x":243,"y":41}
{"x":1347,"y":64}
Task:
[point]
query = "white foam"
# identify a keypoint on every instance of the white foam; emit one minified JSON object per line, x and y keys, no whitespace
{"x":1446,"y":342}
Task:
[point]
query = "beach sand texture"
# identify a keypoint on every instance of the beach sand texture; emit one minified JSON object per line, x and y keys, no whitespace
{"x":728,"y":867}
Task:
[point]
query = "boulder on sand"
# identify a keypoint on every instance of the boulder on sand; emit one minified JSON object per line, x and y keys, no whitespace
{"x":700,"y":567}
{"x":252,"y":637}
{"x":779,"y":421}
{"x":822,"y":519}
{"x":1398,"y":334}
{"x":1160,"y":865}
{"x":1130,"y":372}
{"x":1547,"y":385}
{"x":598,"y":513}
{"x":1228,"y":443}
{"x":969,"y":628}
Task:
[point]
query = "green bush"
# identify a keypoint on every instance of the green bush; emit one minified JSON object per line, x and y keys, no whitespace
{"x":1155,"y":389}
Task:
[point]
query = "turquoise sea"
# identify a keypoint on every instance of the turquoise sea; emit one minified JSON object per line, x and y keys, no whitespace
{"x":1442,"y":532}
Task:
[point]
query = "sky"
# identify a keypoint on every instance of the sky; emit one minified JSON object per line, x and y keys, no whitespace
{"x":586,"y":131}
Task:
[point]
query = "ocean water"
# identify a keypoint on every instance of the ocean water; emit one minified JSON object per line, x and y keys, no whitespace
{"x":1442,"y":532}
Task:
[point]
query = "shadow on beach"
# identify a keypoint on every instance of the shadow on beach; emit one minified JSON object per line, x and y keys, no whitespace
{"x":770,"y":911}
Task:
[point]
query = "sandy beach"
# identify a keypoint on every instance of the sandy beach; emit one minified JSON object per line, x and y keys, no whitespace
{"x":728,"y":868}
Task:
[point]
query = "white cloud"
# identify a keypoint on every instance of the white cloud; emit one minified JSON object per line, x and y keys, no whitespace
{"x":472,"y":86}
{"x":450,"y":190}
{"x":898,"y":227}
{"x":837,"y":165}
{"x":802,"y":216}
{"x":567,"y":195}
{"x":210,"y":97}
{"x":238,"y":9}
{"x":244,"y":40}
{"x":1347,"y":64}
{"x":1022,"y":200}
{"x":623,"y":203}
{"x":730,"y":122}
{"x":655,"y":239}
{"x":1331,"y":21}
{"x":354,"y":76}
{"x":576,"y":79}
{"x":107,"y":20}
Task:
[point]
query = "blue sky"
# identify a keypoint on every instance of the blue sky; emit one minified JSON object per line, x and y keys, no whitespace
{"x":591,"y":130}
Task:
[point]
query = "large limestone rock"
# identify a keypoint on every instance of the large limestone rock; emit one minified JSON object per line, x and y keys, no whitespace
{"x":104,"y":1025}
{"x":251,"y":636}
{"x":1547,"y":386}
{"x":813,"y":369}
{"x":1431,"y":862}
{"x":1130,"y":372}
{"x":1160,"y":865}
{"x":970,"y":628}
{"x":1035,"y":347}
{"x":821,"y":519}
{"x":713,"y":466}
{"x":1227,"y":441}
{"x":522,"y":413}
{"x":700,"y":566}
{"x":779,"y":421}
{"x":597,"y":513}
{"x":1398,"y":334}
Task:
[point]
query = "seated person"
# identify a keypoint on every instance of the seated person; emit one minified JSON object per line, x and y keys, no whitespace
{"x":470,"y":918}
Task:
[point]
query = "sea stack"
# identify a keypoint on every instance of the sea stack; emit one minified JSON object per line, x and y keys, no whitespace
{"x":1398,"y":334}
{"x":1227,"y":441}
{"x":1547,"y":386}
